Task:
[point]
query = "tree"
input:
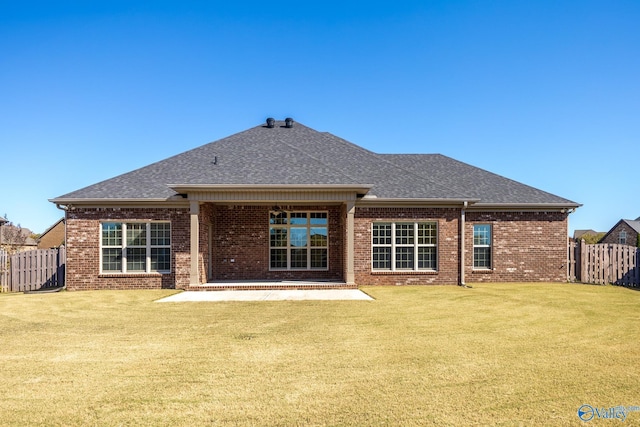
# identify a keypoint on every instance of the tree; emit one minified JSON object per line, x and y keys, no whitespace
{"x":591,"y":238}
{"x":12,"y":237}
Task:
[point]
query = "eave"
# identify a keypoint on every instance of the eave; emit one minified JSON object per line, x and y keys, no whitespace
{"x":272,"y":193}
{"x":414,"y":202}
{"x":190,"y":188}
{"x":174,"y":201}
{"x":495,"y":207}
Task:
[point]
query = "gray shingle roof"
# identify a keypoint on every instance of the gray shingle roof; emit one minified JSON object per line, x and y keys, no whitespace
{"x":635,"y":224}
{"x":475,"y":182}
{"x":301,"y":155}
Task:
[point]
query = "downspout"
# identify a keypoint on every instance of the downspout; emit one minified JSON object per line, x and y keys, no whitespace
{"x":66,"y":211}
{"x":462,"y":245}
{"x":568,"y":260}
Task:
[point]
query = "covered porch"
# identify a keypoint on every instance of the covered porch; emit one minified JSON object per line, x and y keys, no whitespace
{"x":272,"y":237}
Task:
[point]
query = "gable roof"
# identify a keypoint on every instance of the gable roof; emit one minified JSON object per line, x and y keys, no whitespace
{"x":48,"y":230}
{"x":634,"y":224}
{"x":300,"y":156}
{"x":53,"y":236}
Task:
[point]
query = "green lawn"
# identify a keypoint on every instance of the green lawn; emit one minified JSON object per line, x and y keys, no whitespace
{"x":497,"y":354}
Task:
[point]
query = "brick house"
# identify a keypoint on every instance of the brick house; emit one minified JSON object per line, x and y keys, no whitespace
{"x":53,"y":237}
{"x":284,"y":202}
{"x":625,"y":232}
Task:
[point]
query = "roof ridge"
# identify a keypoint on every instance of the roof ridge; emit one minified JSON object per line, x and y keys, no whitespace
{"x":323,"y":135}
{"x":395,"y":165}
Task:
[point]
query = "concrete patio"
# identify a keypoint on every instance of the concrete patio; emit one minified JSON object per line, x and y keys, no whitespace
{"x":269,"y":295}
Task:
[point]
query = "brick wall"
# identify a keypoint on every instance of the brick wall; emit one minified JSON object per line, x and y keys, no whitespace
{"x":613,"y":237}
{"x":83,"y":249}
{"x":448,"y":245}
{"x":241,"y":244}
{"x":527,"y":247}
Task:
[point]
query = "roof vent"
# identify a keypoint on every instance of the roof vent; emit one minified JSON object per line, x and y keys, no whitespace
{"x":271,"y":122}
{"x":288,"y":122}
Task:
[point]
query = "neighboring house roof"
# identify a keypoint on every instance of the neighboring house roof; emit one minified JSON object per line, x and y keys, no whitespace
{"x":48,"y":230}
{"x":298,"y":156}
{"x":577,"y":234}
{"x":634,"y":224}
{"x":53,"y":236}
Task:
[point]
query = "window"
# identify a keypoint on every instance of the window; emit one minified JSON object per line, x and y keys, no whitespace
{"x":622,"y":237}
{"x":482,"y":246}
{"x":298,"y":241}
{"x":135,"y":247}
{"x":404,"y":246}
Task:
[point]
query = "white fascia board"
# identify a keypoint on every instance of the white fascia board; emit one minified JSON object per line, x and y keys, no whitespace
{"x":170,"y":202}
{"x":524,"y":206}
{"x":386,"y":202}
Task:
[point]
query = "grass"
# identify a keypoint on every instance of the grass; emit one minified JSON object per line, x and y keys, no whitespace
{"x":497,"y":354}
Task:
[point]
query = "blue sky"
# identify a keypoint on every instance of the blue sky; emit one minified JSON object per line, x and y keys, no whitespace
{"x":543,"y":92}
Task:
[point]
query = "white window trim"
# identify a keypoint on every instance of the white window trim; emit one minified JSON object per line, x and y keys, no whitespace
{"x":490,"y":246}
{"x":622,"y":237}
{"x":288,"y":247}
{"x":415,"y":246}
{"x":124,"y":246}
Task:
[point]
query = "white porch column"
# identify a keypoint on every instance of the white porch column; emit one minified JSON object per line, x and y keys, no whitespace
{"x":194,"y":276}
{"x":462,"y":242}
{"x":351,"y":210}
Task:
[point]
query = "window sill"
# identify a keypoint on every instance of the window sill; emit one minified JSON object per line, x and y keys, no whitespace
{"x":115,"y":275}
{"x":485,"y":271}
{"x":405,"y":272}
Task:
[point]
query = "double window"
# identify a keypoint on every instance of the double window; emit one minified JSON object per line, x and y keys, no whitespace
{"x":622,"y":237}
{"x":482,"y":246}
{"x":135,"y":247}
{"x":298,"y":240}
{"x":405,"y":246}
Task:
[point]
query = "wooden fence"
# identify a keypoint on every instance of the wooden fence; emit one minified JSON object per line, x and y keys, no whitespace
{"x":33,"y":270}
{"x":4,"y":271}
{"x":604,"y":264}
